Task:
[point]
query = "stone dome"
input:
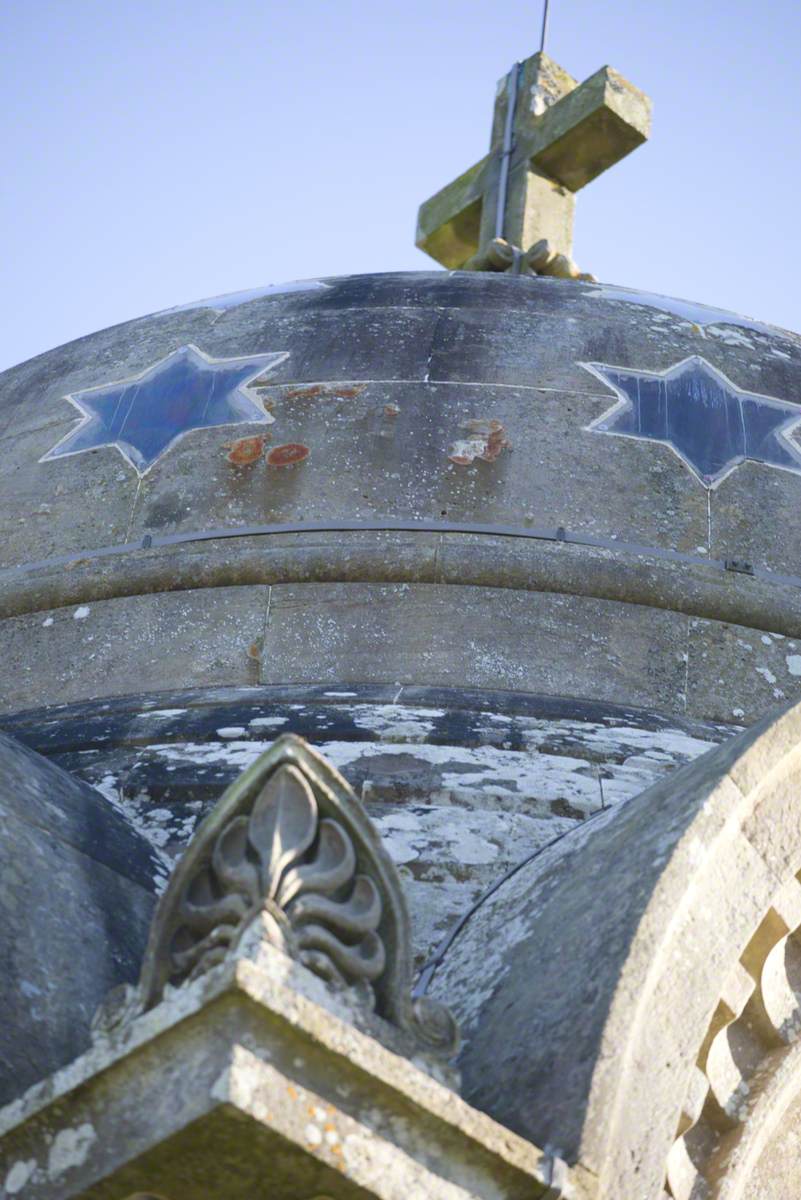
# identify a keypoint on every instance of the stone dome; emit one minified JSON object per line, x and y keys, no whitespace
{"x":506,"y":549}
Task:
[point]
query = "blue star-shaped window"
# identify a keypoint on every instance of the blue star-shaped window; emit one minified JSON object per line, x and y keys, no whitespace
{"x":143,"y":416}
{"x":710,"y":423}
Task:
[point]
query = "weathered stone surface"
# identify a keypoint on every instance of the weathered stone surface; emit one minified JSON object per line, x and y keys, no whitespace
{"x":753,"y":519}
{"x":32,"y":518}
{"x":289,"y":1084}
{"x":738,"y":674}
{"x":173,"y":639}
{"x":32,"y":393}
{"x":355,"y":343}
{"x":490,"y":637}
{"x":614,"y":966}
{"x":77,"y":887}
{"x":461,"y":786}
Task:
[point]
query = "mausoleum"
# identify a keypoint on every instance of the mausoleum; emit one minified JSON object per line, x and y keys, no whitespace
{"x":401,"y":743}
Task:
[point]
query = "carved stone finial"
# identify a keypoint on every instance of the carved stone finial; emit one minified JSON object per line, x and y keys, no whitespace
{"x":290,"y":843}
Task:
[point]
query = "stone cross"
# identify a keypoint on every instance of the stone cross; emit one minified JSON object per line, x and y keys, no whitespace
{"x":550,"y":137}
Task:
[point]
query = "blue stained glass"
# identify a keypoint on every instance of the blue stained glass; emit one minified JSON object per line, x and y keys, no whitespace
{"x":709,"y":422}
{"x":143,"y":417}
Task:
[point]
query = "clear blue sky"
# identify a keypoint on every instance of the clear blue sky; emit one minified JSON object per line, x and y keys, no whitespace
{"x":159,"y":152}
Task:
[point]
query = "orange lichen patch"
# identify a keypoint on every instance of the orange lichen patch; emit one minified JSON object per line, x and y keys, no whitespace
{"x":312,"y":391}
{"x":496,"y":442}
{"x":246,"y":450}
{"x":486,"y":439}
{"x":288,"y":455}
{"x":391,"y":411}
{"x":305,"y":393}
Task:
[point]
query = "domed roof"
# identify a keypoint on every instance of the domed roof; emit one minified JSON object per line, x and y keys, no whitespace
{"x":630,"y":998}
{"x":77,"y":891}
{"x":526,"y":433}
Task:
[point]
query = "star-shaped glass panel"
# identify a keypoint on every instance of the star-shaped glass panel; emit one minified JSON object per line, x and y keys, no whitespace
{"x":710,"y":423}
{"x":142,"y":417}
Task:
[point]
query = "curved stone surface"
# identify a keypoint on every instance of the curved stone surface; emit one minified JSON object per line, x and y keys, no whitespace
{"x":453,"y":400}
{"x":462,"y":785}
{"x":637,"y":998}
{"x":77,"y":891}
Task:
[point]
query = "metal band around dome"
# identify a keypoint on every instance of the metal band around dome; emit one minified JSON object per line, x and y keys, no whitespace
{"x":390,"y":525}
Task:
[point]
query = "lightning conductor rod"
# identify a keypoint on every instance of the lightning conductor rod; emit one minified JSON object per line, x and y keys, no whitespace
{"x":512,"y":85}
{"x":545,"y":7}
{"x":512,"y":88}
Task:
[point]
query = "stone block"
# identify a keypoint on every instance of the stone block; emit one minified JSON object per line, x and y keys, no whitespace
{"x":449,"y":224}
{"x":288,"y":1084}
{"x":475,"y":637}
{"x":330,"y":342}
{"x":385,"y":450}
{"x":171,"y":639}
{"x":739,"y":674}
{"x":32,"y":393}
{"x":753,"y":518}
{"x":591,"y":128}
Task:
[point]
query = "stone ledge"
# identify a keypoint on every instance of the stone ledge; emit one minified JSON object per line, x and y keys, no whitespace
{"x":256,"y":1072}
{"x":629,"y":574}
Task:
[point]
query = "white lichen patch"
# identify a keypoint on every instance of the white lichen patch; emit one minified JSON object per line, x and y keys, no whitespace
{"x":70,"y":1149}
{"x":20,"y":1174}
{"x":394,"y":722}
{"x":81,"y":613}
{"x":696,"y":314}
{"x":474,"y":839}
{"x":731,"y":336}
{"x":793,"y":663}
{"x":161,"y":713}
{"x":231,"y":754}
{"x":231,"y":731}
{"x":313,"y":1135}
{"x":152,"y":831}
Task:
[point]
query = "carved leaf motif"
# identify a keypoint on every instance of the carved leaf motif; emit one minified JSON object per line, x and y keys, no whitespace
{"x":365,"y":960}
{"x":230,"y":861}
{"x":332,"y":866}
{"x":283,"y":824}
{"x":357,"y":916}
{"x":283,"y":855}
{"x":290,"y":843}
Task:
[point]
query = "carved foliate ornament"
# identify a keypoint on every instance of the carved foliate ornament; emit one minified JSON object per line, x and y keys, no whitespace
{"x":290,"y":842}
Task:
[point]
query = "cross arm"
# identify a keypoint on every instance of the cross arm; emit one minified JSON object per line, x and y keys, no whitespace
{"x":589,"y":130}
{"x":449,"y":223}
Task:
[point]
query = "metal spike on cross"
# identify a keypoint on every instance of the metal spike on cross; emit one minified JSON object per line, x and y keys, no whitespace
{"x":514,"y":209}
